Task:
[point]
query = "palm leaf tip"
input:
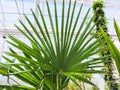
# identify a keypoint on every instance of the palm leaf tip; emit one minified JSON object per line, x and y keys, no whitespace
{"x":117,"y":29}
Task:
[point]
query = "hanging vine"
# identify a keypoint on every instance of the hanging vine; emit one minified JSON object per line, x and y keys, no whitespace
{"x":100,"y":20}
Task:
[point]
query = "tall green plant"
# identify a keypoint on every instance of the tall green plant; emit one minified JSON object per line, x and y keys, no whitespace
{"x":54,"y":58}
{"x":113,"y":49}
{"x":99,"y":14}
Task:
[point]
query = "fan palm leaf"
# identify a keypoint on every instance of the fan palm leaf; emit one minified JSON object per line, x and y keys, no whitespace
{"x":55,"y":55}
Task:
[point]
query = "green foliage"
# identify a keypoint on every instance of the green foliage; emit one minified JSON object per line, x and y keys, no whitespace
{"x":72,"y":86}
{"x":98,"y":3}
{"x":15,"y":87}
{"x":95,"y":88}
{"x":54,"y":58}
{"x":98,"y":6}
{"x":100,"y":18}
{"x":113,"y":49}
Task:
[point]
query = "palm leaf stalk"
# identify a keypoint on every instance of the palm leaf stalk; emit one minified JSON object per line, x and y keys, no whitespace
{"x":53,"y":59}
{"x":110,"y":79}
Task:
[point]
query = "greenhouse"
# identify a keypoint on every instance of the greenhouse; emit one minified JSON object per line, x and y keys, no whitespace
{"x":59,"y":45}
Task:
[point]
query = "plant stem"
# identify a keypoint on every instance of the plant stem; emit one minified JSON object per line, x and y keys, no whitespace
{"x":58,"y":80}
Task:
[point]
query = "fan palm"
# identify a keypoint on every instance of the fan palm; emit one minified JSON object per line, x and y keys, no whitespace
{"x":52,"y":59}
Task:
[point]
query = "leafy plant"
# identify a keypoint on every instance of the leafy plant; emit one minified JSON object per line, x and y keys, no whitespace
{"x":54,"y":58}
{"x":113,"y":49}
{"x":99,"y":15}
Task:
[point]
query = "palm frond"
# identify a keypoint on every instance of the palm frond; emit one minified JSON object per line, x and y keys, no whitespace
{"x":46,"y":62}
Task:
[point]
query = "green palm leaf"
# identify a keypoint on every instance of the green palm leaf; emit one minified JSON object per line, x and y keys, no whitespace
{"x":113,"y":49}
{"x":53,"y":58}
{"x":15,"y":87}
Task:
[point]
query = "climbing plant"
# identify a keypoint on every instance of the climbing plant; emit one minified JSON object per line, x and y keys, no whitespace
{"x":99,"y":17}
